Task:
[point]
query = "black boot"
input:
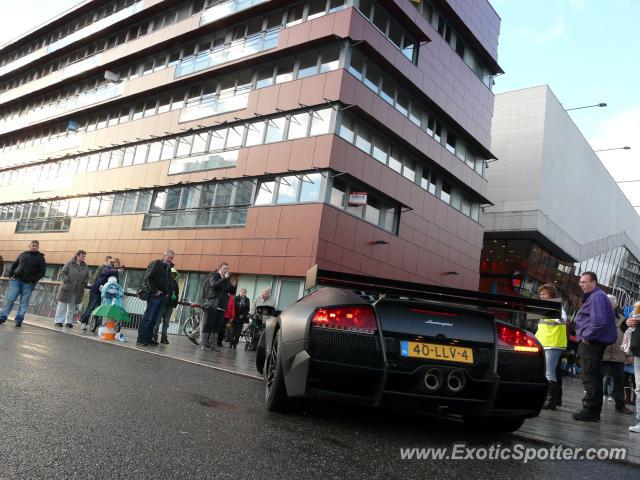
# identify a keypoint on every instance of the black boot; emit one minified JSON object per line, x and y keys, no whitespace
{"x":550,"y":404}
{"x":164,"y":340}
{"x":559,"y":391}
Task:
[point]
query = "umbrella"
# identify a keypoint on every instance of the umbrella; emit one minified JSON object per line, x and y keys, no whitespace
{"x":116,"y":312}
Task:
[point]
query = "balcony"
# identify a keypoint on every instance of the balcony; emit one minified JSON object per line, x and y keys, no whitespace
{"x":225,"y":8}
{"x":52,"y":224}
{"x":209,"y":161}
{"x":235,"y":216}
{"x":82,"y":66}
{"x":80,"y":101}
{"x":227,"y":53}
{"x":95,"y":27}
{"x":20,"y":62}
{"x":215,"y":106}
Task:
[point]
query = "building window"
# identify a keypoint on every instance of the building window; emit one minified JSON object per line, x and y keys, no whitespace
{"x":288,"y":189}
{"x":445,"y":192}
{"x":265,"y":193}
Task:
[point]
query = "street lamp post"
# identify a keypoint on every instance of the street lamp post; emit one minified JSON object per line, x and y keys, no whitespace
{"x":614,"y":148}
{"x":600,"y":105}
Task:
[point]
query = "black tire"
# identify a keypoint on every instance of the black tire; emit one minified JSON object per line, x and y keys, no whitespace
{"x":494,"y":424}
{"x":275,"y":391}
{"x":190,"y":332}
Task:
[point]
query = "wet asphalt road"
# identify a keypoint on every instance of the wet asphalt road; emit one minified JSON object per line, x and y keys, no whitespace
{"x":74,"y":408}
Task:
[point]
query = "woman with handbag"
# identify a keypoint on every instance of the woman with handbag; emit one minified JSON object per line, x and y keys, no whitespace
{"x":215,"y":298}
{"x":74,"y":277}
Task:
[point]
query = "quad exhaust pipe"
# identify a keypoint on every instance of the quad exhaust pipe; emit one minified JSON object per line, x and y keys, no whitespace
{"x":434,"y":379}
{"x":456,"y":381}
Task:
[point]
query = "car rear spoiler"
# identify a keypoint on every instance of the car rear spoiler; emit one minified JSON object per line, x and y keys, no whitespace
{"x":316,"y":278}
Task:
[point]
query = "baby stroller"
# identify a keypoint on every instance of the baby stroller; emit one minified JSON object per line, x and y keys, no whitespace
{"x":252,"y":331}
{"x":111,"y":306}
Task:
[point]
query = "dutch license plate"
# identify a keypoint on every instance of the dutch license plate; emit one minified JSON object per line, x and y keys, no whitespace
{"x":447,"y":353}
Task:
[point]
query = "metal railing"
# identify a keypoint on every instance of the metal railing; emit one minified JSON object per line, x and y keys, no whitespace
{"x":95,"y":27}
{"x":43,"y":303}
{"x":240,"y":48}
{"x":224,"y":8}
{"x":70,"y":104}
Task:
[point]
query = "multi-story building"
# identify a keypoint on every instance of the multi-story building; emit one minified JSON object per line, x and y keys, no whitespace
{"x":271,"y":135}
{"x":557,"y":211}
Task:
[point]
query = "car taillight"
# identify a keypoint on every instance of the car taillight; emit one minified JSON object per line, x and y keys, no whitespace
{"x":516,"y":339}
{"x":355,"y":319}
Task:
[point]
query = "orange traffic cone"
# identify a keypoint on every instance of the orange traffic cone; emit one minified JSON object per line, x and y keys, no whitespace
{"x":109,"y":332}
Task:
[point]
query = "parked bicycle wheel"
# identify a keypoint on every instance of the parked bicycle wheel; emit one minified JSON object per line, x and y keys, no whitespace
{"x":94,"y":323}
{"x":191,"y":329}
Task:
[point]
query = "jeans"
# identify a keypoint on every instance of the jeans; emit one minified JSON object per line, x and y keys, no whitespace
{"x":636,"y":371}
{"x":551,"y":358}
{"x":17,"y":288}
{"x":94,"y":301}
{"x":154,"y":309}
{"x":591,"y":358}
{"x":164,"y":317}
{"x":615,"y":371}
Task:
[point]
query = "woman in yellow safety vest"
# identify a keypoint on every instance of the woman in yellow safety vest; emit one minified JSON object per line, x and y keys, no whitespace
{"x":552,"y":334}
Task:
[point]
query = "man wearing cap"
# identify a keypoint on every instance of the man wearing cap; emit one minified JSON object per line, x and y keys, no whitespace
{"x":167,"y":310}
{"x":24,"y":273}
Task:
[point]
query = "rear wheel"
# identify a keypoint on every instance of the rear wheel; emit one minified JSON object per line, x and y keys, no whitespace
{"x":494,"y":424}
{"x":275,"y":391}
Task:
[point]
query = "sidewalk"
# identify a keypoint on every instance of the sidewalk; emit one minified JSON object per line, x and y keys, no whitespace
{"x":551,"y":427}
{"x":557,"y":426}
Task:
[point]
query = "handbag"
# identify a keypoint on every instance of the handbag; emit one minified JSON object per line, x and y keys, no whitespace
{"x":625,"y":346}
{"x":209,"y":304}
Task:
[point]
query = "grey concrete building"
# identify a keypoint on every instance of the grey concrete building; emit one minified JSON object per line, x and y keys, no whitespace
{"x":557,"y":211}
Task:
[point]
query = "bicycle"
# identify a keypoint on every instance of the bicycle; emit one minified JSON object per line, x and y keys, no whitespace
{"x":191,"y":327}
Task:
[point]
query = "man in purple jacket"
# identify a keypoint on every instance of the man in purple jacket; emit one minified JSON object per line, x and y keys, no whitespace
{"x":595,"y":329}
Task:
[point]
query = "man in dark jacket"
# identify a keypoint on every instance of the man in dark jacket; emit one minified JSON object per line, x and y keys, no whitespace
{"x":215,"y":299}
{"x":241,"y":317}
{"x":595,"y":328}
{"x":167,"y":310}
{"x":157,"y":284}
{"x":25,"y":272}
